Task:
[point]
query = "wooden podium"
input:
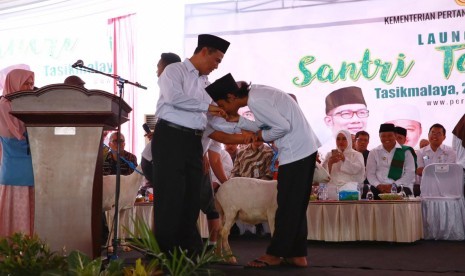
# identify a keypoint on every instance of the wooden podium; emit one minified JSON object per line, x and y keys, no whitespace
{"x":64,"y":125}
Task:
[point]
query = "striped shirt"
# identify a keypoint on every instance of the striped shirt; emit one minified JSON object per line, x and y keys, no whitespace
{"x":253,"y":163}
{"x":109,"y":163}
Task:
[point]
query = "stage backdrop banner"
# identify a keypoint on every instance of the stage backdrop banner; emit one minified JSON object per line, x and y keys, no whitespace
{"x":407,"y":57}
{"x":50,"y":50}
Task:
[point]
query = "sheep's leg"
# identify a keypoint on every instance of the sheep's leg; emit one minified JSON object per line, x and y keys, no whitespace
{"x":225,"y":236}
{"x":124,"y":224}
{"x":271,"y":217}
{"x":219,"y":247}
{"x":222,"y":240}
{"x":110,"y":230}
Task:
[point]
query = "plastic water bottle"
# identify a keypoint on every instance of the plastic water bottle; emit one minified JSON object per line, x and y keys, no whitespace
{"x":393,"y":188}
{"x":325,"y":192}
{"x":320,"y":192}
{"x":369,"y":195}
{"x":147,"y":198}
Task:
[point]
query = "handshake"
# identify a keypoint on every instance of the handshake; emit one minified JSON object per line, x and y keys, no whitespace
{"x":250,"y":137}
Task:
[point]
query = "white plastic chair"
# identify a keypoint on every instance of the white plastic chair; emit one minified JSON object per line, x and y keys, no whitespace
{"x":443,"y":204}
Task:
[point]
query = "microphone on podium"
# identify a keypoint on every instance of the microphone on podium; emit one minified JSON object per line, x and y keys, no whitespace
{"x":78,"y":63}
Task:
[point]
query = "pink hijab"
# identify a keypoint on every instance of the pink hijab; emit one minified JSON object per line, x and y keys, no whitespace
{"x":4,"y":72}
{"x":10,"y":126}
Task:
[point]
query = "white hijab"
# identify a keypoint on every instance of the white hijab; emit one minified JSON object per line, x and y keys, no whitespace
{"x":348,"y":136}
{"x":352,"y":169}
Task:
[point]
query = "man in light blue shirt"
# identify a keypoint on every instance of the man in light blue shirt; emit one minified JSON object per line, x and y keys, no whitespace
{"x":278,"y":119}
{"x":176,"y":145}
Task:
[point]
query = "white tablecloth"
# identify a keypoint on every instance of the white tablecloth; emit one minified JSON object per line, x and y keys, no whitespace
{"x":144,"y":211}
{"x":380,"y":220}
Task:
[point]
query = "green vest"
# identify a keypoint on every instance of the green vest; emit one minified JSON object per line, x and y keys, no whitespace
{"x":398,"y":160}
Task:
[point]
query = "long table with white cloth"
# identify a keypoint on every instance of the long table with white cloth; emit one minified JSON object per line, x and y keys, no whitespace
{"x":363,"y":220}
{"x":144,"y":212}
{"x":377,"y":220}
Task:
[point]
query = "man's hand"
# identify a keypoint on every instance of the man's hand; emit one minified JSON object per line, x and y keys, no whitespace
{"x":216,"y":111}
{"x":215,"y":186}
{"x":206,"y":165}
{"x":259,"y":137}
{"x":149,"y":135}
{"x":249,"y":136}
{"x":335,"y":158}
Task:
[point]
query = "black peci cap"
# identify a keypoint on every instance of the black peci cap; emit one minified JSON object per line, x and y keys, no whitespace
{"x":208,"y":40}
{"x":387,"y":128}
{"x":401,"y":131}
{"x":220,"y":88}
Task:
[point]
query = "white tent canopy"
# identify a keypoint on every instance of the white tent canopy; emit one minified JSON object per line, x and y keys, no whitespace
{"x":269,"y":38}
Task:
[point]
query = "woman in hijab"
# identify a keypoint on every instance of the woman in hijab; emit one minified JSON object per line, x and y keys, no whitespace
{"x":16,"y":175}
{"x":344,"y":164}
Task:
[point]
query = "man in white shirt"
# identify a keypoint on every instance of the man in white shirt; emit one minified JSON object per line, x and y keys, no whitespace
{"x":146,"y":162}
{"x":232,"y":149}
{"x":213,"y":168}
{"x":278,"y":118}
{"x":401,"y":138}
{"x":220,"y":161}
{"x":176,"y":146}
{"x":435,"y":152}
{"x":390,"y":163}
{"x":362,"y":138}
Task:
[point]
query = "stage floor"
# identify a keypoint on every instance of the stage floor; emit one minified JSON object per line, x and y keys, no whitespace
{"x":350,"y":258}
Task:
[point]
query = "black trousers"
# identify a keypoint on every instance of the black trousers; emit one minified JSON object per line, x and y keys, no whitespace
{"x":207,"y":198}
{"x":177,"y":175}
{"x":294,"y":187}
{"x":147,"y":169}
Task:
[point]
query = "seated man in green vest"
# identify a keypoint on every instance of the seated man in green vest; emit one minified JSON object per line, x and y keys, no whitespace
{"x":401,"y":135}
{"x":390,"y":163}
{"x":402,"y":139}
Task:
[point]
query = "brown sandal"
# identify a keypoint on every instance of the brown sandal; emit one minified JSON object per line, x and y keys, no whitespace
{"x":260,"y":264}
